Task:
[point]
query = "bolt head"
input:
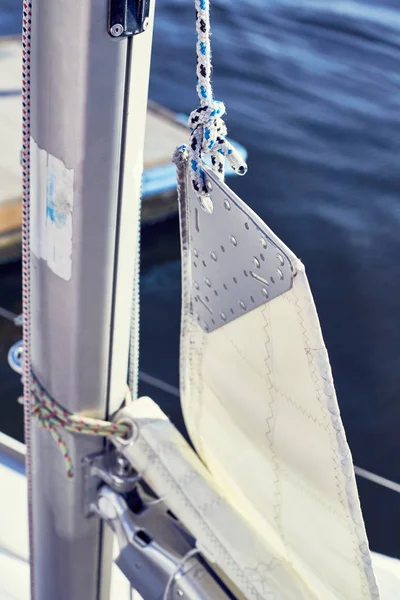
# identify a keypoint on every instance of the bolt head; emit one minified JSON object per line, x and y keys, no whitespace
{"x":121,"y":467}
{"x":117,"y":30}
{"x":146,"y":23}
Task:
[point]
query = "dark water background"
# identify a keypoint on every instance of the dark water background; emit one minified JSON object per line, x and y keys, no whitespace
{"x":313,"y":91}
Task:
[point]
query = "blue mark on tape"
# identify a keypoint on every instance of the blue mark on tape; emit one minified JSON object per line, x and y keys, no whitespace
{"x":53,"y":213}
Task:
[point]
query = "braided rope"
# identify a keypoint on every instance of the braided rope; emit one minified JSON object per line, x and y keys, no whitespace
{"x":52,"y":416}
{"x":208,"y":130}
{"x":26,"y":264}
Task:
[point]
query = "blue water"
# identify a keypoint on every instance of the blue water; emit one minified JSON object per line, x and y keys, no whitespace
{"x":313,"y":91}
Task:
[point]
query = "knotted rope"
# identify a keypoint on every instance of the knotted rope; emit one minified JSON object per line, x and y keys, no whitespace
{"x":53,"y":417}
{"x":208,"y":130}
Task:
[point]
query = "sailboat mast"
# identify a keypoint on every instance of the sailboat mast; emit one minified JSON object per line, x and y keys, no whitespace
{"x":88,"y":109}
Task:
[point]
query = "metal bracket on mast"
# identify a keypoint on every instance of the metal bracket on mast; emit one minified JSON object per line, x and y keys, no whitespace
{"x":157,"y":554}
{"x":109,"y":468}
{"x":128,"y":17}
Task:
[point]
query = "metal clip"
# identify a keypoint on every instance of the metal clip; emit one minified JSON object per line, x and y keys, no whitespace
{"x":128,"y":17}
{"x":156,"y":551}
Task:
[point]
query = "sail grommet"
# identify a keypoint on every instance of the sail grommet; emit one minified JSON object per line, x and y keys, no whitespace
{"x":131,"y":434}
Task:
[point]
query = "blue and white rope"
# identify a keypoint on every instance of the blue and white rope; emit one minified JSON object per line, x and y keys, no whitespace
{"x":206,"y":124}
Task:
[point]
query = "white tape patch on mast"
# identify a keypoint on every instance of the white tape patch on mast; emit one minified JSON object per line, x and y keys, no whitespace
{"x":52,"y":199}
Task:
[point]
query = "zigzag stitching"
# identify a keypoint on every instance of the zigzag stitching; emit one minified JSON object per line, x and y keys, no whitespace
{"x":277,"y":504}
{"x":305,"y":412}
{"x":337,"y":472}
{"x":310,"y":492}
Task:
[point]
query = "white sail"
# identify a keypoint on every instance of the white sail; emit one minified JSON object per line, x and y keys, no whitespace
{"x":260,"y":406}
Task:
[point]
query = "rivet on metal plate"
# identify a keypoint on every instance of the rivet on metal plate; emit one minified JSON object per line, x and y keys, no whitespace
{"x":233,"y":240}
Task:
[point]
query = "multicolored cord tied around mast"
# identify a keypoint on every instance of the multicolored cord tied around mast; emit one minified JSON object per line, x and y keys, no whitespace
{"x":208,"y":129}
{"x":53,"y":417}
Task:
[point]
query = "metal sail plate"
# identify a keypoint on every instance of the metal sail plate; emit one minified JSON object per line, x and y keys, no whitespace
{"x":235,"y":264}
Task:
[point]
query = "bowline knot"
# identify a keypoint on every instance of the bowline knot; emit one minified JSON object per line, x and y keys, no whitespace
{"x":208,"y":136}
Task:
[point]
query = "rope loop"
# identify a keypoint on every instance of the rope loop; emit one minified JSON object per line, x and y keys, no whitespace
{"x":52,"y":417}
{"x":208,"y":129}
